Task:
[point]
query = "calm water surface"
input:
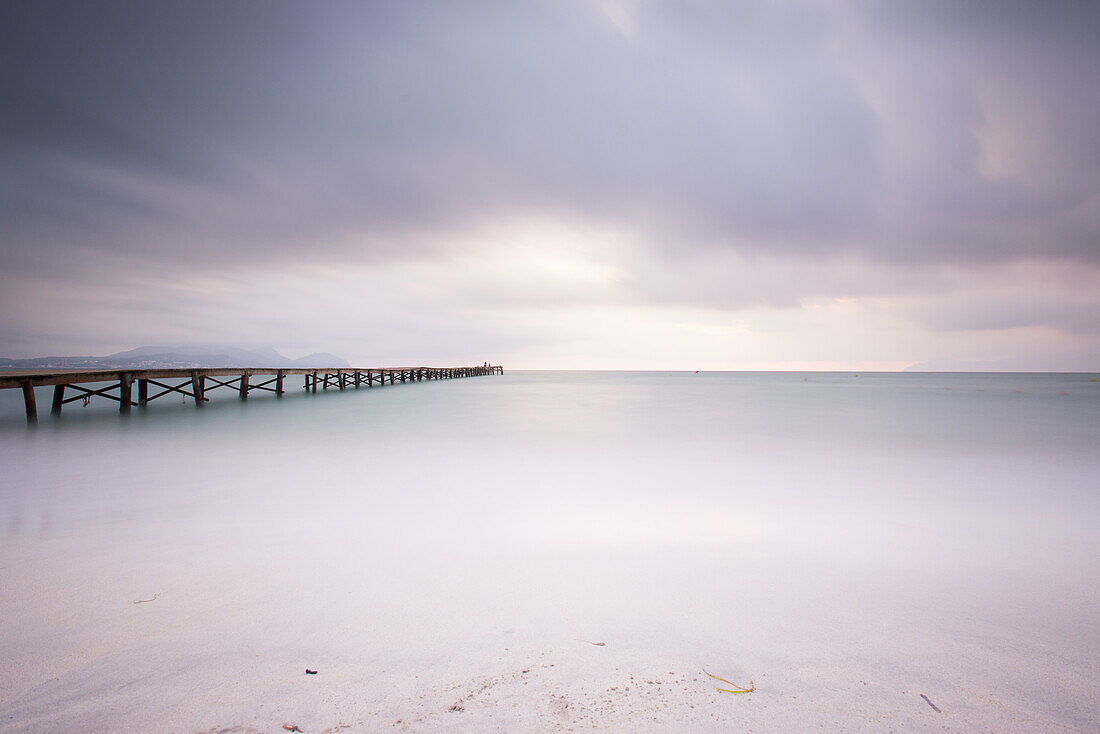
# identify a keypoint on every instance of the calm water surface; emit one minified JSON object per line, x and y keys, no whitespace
{"x":1006,"y":443}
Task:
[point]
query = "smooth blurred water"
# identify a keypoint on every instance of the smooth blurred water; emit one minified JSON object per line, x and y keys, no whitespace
{"x":788,"y":505}
{"x":997,"y":444}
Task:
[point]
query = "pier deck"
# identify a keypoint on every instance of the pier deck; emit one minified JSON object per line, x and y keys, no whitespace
{"x":196,"y":382}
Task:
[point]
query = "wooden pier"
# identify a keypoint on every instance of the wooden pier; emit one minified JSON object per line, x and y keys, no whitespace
{"x":195,"y":383}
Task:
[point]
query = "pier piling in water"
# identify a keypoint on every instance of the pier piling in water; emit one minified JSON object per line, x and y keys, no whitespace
{"x":28,"y":400}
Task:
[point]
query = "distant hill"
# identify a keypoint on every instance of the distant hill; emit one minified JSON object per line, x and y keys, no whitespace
{"x":958,"y":365}
{"x":175,"y":357}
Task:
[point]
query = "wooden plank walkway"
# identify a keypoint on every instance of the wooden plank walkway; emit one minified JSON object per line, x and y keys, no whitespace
{"x":195,"y":383}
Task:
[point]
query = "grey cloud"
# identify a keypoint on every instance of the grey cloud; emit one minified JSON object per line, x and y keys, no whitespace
{"x":1074,"y":315}
{"x":212,"y":134}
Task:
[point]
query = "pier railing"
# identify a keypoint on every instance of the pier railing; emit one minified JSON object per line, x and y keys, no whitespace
{"x":195,"y":383}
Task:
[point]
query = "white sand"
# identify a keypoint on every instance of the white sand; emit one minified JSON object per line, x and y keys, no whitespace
{"x":432,"y":638}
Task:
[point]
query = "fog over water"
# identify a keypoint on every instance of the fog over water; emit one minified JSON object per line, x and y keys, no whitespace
{"x":899,"y":533}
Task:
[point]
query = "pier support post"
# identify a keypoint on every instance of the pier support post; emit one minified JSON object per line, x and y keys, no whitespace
{"x":143,"y":392}
{"x":279,"y":383}
{"x":125,"y":395}
{"x":244,"y":386}
{"x":314,"y":383}
{"x":28,"y":400}
{"x":343,"y":379}
{"x":198,"y":387}
{"x":58,"y":399}
{"x":356,"y":379}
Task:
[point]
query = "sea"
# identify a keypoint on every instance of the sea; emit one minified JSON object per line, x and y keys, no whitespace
{"x":871,"y":550}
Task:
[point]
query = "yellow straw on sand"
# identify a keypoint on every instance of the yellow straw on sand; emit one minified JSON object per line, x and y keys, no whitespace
{"x":737,"y":688}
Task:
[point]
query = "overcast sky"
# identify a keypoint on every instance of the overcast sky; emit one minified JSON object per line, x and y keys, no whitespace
{"x":564,"y":184}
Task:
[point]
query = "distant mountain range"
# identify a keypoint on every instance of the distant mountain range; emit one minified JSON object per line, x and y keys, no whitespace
{"x":169,"y":357}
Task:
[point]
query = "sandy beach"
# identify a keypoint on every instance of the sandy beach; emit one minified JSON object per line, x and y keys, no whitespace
{"x":445,"y":640}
